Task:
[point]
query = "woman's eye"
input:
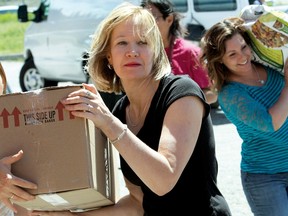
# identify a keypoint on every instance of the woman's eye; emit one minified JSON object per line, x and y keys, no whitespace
{"x":122,"y":43}
{"x":232,"y":55}
{"x":142,"y":42}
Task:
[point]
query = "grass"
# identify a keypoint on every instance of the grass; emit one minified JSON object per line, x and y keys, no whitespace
{"x":11,"y":34}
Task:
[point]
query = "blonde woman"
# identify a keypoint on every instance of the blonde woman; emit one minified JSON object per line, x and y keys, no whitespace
{"x":161,"y":127}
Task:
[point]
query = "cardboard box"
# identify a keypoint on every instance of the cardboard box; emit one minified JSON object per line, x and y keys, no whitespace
{"x":69,"y":159}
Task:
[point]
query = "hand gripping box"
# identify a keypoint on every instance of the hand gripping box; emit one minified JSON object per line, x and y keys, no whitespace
{"x":69,"y":159}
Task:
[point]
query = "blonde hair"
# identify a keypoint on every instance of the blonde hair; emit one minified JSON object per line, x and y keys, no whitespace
{"x":144,"y":26}
{"x":4,"y":80}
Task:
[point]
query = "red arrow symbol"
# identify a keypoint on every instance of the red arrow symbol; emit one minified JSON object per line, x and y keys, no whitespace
{"x":16,"y":113}
{"x":71,"y":116}
{"x":60,"y":108}
{"x":5,"y":115}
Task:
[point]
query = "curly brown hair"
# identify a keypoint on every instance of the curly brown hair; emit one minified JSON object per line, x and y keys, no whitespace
{"x":213,"y":48}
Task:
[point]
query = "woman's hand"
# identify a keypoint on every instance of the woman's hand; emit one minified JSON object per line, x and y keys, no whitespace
{"x":10,"y":185}
{"x":87,"y":103}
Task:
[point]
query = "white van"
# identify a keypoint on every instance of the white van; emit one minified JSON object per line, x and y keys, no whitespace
{"x":199,"y":15}
{"x":59,"y":35}
{"x":57,"y":40}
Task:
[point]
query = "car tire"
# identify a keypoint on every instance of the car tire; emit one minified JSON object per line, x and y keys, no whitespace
{"x":30,"y":78}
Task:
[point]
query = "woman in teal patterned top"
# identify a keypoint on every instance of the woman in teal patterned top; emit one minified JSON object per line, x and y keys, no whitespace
{"x":255,"y":99}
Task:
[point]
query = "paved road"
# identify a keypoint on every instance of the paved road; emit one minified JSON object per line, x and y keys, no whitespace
{"x":228,"y":147}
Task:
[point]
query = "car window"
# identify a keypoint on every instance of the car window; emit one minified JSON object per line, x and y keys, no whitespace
{"x":180,"y":5}
{"x":214,"y":5}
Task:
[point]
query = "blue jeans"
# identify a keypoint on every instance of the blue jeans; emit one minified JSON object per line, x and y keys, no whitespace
{"x":267,"y":194}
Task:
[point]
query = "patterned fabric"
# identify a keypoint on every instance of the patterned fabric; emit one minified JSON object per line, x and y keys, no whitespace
{"x":264,"y":150}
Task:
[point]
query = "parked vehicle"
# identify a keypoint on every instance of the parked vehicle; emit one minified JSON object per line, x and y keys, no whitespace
{"x":56,"y":42}
{"x":199,"y":15}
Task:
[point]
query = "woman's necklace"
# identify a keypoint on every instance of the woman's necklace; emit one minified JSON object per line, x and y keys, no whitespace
{"x":140,"y":117}
{"x":261,"y":81}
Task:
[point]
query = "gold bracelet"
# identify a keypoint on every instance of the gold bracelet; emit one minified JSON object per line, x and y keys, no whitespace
{"x":120,"y":136}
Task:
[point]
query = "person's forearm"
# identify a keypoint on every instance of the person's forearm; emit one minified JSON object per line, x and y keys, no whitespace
{"x":279,"y":111}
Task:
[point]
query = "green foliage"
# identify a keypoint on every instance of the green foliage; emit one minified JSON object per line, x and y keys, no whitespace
{"x":11,"y":34}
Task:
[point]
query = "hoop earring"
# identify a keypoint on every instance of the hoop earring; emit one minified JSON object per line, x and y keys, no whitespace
{"x":114,"y":79}
{"x":109,"y":66}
